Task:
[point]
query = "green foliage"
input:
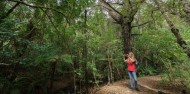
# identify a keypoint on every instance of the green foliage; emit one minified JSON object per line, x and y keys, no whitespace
{"x":31,"y":37}
{"x":160,"y":54}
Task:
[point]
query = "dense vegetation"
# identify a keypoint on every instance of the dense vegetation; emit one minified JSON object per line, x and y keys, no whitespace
{"x":61,"y":46}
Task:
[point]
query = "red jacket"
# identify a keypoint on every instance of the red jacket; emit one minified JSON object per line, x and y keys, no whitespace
{"x":131,"y":65}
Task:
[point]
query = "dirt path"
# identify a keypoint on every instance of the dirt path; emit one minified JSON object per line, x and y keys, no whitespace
{"x":147,"y":85}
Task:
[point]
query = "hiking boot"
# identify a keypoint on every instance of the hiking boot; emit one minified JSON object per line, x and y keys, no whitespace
{"x":132,"y":88}
{"x":137,"y":89}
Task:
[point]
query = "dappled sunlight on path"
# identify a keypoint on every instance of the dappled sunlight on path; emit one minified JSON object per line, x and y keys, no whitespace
{"x":147,"y":85}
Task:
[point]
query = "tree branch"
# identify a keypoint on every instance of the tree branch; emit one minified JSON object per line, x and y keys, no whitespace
{"x":39,"y":6}
{"x":142,"y":24}
{"x":135,"y":34}
{"x":182,"y":43}
{"x":130,"y":4}
{"x":133,"y":9}
{"x":186,"y":9}
{"x":186,"y":6}
{"x":110,"y":6}
{"x":117,"y":3}
{"x":51,"y":21}
{"x":10,"y":11}
{"x":116,"y":15}
{"x":4,"y":64}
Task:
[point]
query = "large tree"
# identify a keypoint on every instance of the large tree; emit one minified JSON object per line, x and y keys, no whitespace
{"x":124,"y":18}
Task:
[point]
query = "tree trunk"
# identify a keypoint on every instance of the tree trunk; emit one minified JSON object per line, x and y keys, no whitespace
{"x":174,"y":30}
{"x":123,"y":20}
{"x":94,"y":74}
{"x":126,"y":35}
{"x":52,"y":70}
{"x":110,"y":75}
{"x":84,"y":53}
{"x":111,"y":68}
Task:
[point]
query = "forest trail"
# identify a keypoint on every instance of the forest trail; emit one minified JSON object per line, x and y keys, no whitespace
{"x":147,"y":85}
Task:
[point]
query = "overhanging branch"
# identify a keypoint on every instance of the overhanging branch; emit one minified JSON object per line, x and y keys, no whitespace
{"x":142,"y":24}
{"x":116,"y":15}
{"x":10,"y":11}
{"x":116,"y":3}
{"x":39,"y":6}
{"x":113,"y":9}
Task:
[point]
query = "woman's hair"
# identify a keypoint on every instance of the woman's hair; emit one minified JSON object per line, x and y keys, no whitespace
{"x":131,"y":54}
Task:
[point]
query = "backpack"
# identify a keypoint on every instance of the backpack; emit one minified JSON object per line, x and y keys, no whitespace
{"x":136,"y":64}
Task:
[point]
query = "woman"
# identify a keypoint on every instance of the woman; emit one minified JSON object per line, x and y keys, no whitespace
{"x":130,"y":60}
